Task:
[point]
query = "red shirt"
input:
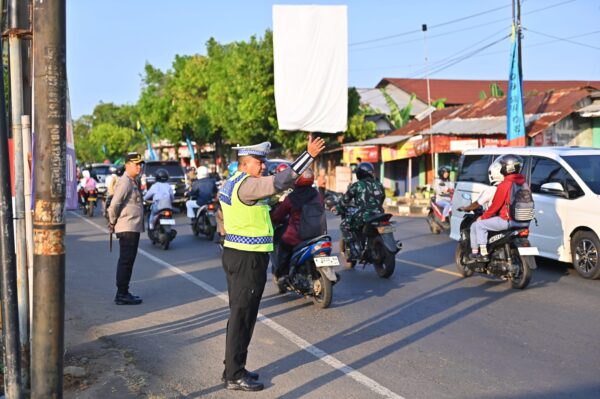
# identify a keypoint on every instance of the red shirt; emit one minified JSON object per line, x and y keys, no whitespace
{"x":499,"y":206}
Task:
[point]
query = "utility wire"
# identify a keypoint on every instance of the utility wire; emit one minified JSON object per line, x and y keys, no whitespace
{"x":564,"y":39}
{"x":454,"y":21}
{"x":432,"y":26}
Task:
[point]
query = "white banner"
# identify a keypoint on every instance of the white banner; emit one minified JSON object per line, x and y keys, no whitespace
{"x":310,"y":49}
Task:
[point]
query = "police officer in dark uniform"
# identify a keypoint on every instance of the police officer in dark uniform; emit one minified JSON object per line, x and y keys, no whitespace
{"x":248,"y":241}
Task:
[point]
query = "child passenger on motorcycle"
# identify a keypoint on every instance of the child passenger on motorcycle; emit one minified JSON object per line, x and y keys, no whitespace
{"x":497,"y":216}
{"x":291,"y":206}
{"x":444,"y":188}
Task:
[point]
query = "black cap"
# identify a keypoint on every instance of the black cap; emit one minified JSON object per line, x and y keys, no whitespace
{"x":134,"y":157}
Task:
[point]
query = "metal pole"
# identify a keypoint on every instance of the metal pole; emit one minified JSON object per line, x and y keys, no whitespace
{"x":10,"y":316}
{"x":16,"y":103}
{"x":27,"y":156}
{"x":49,"y":57}
{"x":424,"y":29}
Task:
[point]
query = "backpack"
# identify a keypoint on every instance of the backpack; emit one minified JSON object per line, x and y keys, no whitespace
{"x":521,"y":206}
{"x":313,"y":222}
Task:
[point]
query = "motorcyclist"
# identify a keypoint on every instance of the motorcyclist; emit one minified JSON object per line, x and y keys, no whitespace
{"x":303,"y":193}
{"x":161,"y":194}
{"x":203,"y":191}
{"x":497,"y":216}
{"x":367,"y":195}
{"x":443,"y":189}
{"x":485,"y":197}
{"x":86,"y":184}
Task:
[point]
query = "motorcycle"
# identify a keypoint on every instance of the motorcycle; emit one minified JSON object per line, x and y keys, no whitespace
{"x":511,"y":256}
{"x":162,"y":232}
{"x":435,"y":216}
{"x":205,"y":221}
{"x":375,"y":244}
{"x":87,"y":201}
{"x":311,"y":272}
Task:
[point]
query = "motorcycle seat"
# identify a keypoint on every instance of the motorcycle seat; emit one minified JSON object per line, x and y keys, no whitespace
{"x":380,"y":217}
{"x":311,"y":241}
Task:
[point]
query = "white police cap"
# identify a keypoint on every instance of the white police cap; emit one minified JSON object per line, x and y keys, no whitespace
{"x":258,"y":150}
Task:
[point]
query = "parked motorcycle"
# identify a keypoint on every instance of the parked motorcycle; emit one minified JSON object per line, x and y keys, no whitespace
{"x":375,"y":244}
{"x":511,"y":256}
{"x":87,"y":201}
{"x":311,"y":270}
{"x":205,"y":221}
{"x":435,"y":217}
{"x":162,"y":232}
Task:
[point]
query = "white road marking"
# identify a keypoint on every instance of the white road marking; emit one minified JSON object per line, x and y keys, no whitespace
{"x":320,"y":354}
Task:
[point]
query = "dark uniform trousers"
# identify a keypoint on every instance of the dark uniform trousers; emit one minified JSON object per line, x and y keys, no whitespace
{"x":246,"y":278}
{"x":128,"y":248}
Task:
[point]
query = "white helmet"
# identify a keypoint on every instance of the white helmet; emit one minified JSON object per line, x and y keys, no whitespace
{"x":202,"y":172}
{"x":494,"y":173}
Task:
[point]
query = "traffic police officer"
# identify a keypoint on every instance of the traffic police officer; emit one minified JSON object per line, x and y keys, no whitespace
{"x":248,"y":240}
{"x":126,"y":218}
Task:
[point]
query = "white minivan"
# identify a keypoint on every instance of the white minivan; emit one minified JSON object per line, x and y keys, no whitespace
{"x":565,"y":182}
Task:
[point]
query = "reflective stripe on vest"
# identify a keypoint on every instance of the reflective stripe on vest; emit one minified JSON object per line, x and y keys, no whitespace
{"x":247,"y":227}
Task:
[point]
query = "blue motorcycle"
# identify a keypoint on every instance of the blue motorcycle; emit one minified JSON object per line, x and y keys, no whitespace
{"x":311,"y":271}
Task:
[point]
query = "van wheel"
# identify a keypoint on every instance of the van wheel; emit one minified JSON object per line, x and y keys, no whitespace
{"x":584,"y":251}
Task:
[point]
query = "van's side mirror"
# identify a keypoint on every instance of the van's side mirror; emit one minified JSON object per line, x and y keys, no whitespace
{"x":467,"y":196}
{"x":554,"y":188}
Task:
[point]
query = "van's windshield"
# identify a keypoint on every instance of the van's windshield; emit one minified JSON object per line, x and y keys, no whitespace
{"x":588,"y":169}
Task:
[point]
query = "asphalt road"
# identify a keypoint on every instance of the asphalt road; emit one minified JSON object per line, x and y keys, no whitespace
{"x":423,"y":333}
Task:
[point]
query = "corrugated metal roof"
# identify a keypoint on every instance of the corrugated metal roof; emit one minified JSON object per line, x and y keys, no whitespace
{"x":491,"y":125}
{"x":387,"y":140}
{"x":590,"y":111}
{"x":548,"y":109}
{"x":458,"y":92}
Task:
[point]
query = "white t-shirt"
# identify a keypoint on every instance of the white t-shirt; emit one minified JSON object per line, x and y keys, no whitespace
{"x":486,"y":196}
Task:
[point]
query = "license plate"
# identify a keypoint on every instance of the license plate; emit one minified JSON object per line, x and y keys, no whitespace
{"x":325,"y":261}
{"x":528,"y":251}
{"x":167,"y":221}
{"x":91,"y":198}
{"x":386,"y":229}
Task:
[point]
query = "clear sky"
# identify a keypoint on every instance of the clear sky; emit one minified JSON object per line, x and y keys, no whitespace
{"x":109,"y":41}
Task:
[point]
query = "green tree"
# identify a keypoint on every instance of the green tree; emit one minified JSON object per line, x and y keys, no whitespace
{"x":399,"y":116}
{"x":240,"y":101}
{"x":154,"y":105}
{"x":84,"y":150}
{"x":116,"y":139}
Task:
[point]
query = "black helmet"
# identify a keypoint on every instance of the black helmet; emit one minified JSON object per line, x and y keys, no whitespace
{"x":120,"y":170}
{"x":364,"y":170}
{"x":162,"y":175}
{"x":442,"y":170}
{"x":510,"y":164}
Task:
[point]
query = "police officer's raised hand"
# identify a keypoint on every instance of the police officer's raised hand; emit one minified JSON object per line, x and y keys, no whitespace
{"x":315,"y":146}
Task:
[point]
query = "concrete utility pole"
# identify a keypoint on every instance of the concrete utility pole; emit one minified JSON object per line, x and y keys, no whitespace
{"x":10,"y":316}
{"x":49,"y":57}
{"x":16,"y":103}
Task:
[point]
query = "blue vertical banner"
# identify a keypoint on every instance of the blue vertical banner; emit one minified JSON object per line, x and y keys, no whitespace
{"x":71,"y":164}
{"x":191,"y":150}
{"x":515,"y":118}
